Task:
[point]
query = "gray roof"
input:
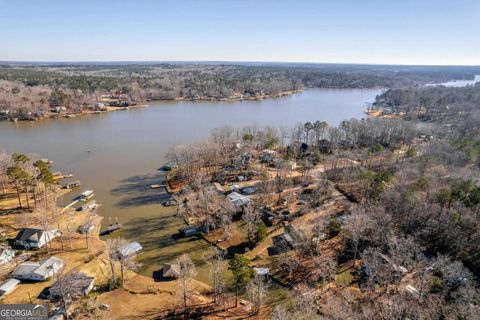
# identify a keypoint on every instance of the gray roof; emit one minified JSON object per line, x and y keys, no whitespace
{"x":25,"y":268}
{"x":79,"y":284}
{"x":238,"y":200}
{"x":30,"y":234}
{"x":42,"y":269}
{"x":171,"y":270}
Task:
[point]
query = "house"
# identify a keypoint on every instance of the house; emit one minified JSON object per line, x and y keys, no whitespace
{"x":38,"y":271}
{"x":130,"y":249}
{"x":289,"y":240}
{"x":59,"y":109}
{"x":79,"y":285}
{"x":100,"y":106}
{"x":268,"y":155}
{"x":270,"y":218}
{"x":170,"y":271}
{"x":6,"y":254}
{"x":30,"y":238}
{"x":239,"y":200}
{"x":8,"y":286}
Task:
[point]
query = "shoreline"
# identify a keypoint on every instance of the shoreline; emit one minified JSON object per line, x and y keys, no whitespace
{"x":144,"y":104}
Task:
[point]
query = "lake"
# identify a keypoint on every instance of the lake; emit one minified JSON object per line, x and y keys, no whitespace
{"x":457,"y":83}
{"x":117,"y":154}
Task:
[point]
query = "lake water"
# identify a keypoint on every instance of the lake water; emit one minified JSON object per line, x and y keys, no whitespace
{"x":457,"y":83}
{"x":117,"y":154}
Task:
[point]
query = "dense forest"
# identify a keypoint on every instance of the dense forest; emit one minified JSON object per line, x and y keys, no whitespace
{"x":35,"y":88}
{"x":439,"y":104}
{"x":403,"y":241}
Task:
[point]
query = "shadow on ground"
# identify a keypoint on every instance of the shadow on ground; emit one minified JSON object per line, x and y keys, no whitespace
{"x":136,"y":191}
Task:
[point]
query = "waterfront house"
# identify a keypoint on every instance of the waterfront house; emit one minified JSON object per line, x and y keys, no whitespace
{"x":31,"y":238}
{"x":170,"y":271}
{"x":79,"y":285}
{"x":38,"y":271}
{"x":130,"y":249}
{"x":100,"y":106}
{"x":239,"y":200}
{"x":6,"y":254}
{"x":59,"y":109}
{"x":8,"y":286}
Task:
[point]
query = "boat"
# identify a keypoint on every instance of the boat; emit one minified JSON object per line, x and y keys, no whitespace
{"x":86,"y":195}
{"x":88,"y":206}
{"x":156,"y":186}
{"x":46,"y":161}
{"x":71,"y":185}
{"x":111,"y":228}
{"x":169,"y":203}
{"x":168,"y":166}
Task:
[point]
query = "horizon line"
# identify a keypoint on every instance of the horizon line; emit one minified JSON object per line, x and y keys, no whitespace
{"x":232,"y":62}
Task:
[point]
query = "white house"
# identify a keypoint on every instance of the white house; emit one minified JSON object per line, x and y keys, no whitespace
{"x":31,"y":238}
{"x":38,"y":271}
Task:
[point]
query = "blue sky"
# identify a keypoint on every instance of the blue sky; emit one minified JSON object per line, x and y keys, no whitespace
{"x":343,"y":31}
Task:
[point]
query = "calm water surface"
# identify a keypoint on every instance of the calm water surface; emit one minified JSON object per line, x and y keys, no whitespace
{"x":117,"y":154}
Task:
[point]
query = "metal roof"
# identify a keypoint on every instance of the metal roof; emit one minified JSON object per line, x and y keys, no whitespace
{"x":130,"y":249}
{"x":9,"y":285}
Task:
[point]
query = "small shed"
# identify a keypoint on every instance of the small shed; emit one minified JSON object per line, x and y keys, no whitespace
{"x":189,"y":231}
{"x":8,"y":286}
{"x":129,"y":249}
{"x":170,"y":271}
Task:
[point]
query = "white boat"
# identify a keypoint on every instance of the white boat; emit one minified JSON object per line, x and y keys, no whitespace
{"x":88,"y":194}
{"x":88,"y":206}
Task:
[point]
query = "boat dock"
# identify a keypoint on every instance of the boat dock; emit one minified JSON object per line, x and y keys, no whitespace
{"x":111,"y":228}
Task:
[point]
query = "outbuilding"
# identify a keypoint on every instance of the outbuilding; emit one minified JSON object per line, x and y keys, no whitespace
{"x":170,"y":271}
{"x":130,"y":249}
{"x":8,"y":286}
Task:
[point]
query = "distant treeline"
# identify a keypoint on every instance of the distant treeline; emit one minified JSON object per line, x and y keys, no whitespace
{"x":30,"y":86}
{"x":448,"y":105}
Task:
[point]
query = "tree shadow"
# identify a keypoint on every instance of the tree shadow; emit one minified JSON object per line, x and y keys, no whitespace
{"x":135,"y":191}
{"x":159,"y":232}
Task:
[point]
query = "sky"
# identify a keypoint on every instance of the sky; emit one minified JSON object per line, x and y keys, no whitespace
{"x":427,"y":32}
